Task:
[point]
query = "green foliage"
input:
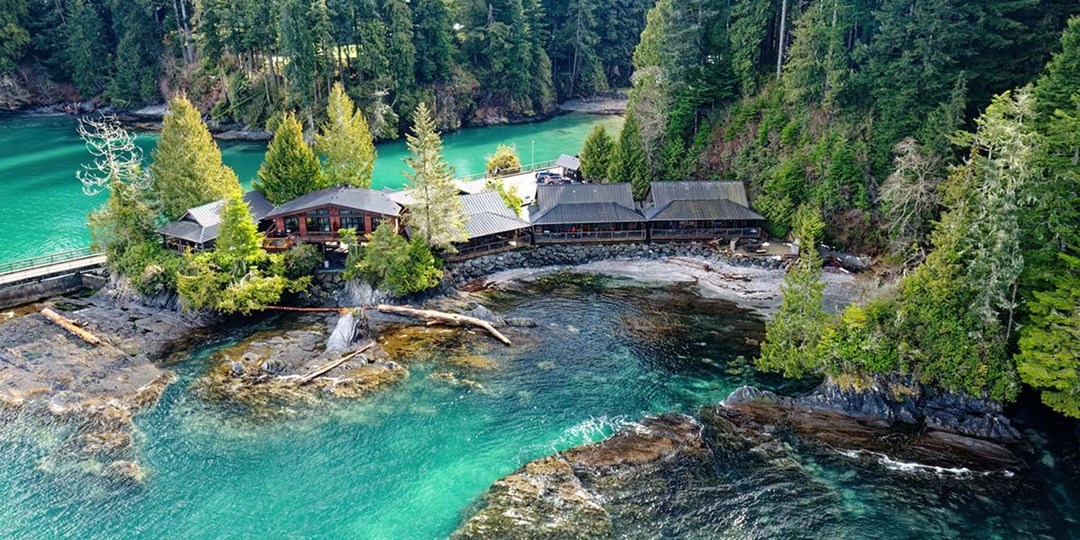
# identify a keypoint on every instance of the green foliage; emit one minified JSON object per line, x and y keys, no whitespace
{"x":345,"y":143}
{"x":290,"y":168}
{"x":596,"y":154}
{"x":187,"y":167}
{"x":1049,"y":358}
{"x":302,"y":259}
{"x":792,"y":336}
{"x":389,"y":261}
{"x":436,"y":214}
{"x":13,"y":36}
{"x":503,"y":162}
{"x":628,"y":163}
{"x":87,"y":58}
{"x":509,"y":196}
{"x":237,"y":276}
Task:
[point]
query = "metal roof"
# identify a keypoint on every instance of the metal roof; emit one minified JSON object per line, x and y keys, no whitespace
{"x":355,"y":198}
{"x":202,"y":223}
{"x":568,"y":162}
{"x":722,"y":209}
{"x":584,"y":203}
{"x":661,"y":193}
{"x":488,"y":214}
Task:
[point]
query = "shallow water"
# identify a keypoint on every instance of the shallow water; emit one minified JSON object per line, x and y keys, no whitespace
{"x":407,"y":462}
{"x":43,"y":209}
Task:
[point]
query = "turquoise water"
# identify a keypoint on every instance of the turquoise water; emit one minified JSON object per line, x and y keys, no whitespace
{"x":43,"y":209}
{"x":406,"y":463}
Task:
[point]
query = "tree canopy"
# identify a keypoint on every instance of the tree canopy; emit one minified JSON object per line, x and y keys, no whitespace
{"x":290,"y":168}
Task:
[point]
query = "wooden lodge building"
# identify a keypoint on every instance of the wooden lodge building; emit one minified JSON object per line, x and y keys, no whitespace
{"x":586,"y":213}
{"x":316,"y":217}
{"x":492,"y":226}
{"x":198,"y":228}
{"x":700,"y":210}
{"x":561,"y":214}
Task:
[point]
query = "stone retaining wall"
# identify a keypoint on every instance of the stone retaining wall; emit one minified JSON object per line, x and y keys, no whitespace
{"x":575,"y":254}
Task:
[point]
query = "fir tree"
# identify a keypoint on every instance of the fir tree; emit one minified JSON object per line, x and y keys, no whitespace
{"x":238,"y":236}
{"x":86,"y":48}
{"x":1049,"y":358}
{"x":187,"y":167}
{"x":290,"y":168}
{"x":436,"y":215}
{"x":434,"y":44}
{"x":345,"y":143}
{"x":13,"y":36}
{"x":596,"y":154}
{"x":628,"y":163}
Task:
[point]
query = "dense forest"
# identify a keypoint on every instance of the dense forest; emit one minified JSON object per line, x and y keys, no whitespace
{"x":249,"y":60}
{"x":942,"y":135}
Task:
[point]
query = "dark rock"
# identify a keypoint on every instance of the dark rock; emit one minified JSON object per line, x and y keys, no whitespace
{"x":486,"y":315}
{"x":272,"y":366}
{"x":236,"y":369}
{"x":521,"y":322}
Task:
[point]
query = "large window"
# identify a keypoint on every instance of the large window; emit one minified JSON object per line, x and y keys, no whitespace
{"x":353,"y":222}
{"x":318,"y":224}
{"x":292,"y":224}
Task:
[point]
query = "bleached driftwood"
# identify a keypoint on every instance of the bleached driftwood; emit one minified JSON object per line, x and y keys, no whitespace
{"x":445,"y":318}
{"x":311,"y":375}
{"x":66,"y":324}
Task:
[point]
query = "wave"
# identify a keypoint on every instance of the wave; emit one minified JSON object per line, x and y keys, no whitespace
{"x":913,"y":467}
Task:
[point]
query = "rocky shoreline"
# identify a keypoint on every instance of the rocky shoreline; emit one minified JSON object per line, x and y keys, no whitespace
{"x":582,"y":492}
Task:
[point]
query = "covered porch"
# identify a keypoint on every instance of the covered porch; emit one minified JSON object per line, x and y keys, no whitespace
{"x":589,"y":232}
{"x":705,"y":230}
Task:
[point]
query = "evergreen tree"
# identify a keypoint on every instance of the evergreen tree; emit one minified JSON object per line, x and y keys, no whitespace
{"x":290,"y":168}
{"x":400,"y":50}
{"x":13,"y":35}
{"x":628,"y":163}
{"x":187,"y":167}
{"x":596,"y":154}
{"x":436,"y":214}
{"x":1049,"y":358}
{"x":86,"y":48}
{"x":238,"y":236}
{"x":1058,"y":84}
{"x":434,"y":45}
{"x":345,"y":143}
{"x":136,"y":73}
{"x":792,"y":336}
{"x":509,"y":196}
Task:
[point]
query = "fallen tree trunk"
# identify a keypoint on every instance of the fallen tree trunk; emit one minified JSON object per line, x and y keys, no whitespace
{"x":446,"y":318}
{"x":307,"y":309}
{"x":311,"y":375}
{"x":66,"y":324}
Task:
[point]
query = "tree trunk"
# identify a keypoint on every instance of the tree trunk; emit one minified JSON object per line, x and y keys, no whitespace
{"x":783,"y":30}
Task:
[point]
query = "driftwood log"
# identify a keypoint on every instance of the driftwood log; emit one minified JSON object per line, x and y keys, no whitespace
{"x":445,"y":318}
{"x":311,"y":375}
{"x":431,"y":316}
{"x":66,"y":324}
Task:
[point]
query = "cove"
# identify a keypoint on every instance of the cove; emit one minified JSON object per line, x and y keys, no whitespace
{"x":43,"y":209}
{"x":409,"y":461}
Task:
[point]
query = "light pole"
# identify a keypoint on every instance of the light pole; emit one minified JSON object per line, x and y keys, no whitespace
{"x":532,"y":155}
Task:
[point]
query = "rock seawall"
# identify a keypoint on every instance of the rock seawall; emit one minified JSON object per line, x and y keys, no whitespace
{"x":572,"y":255}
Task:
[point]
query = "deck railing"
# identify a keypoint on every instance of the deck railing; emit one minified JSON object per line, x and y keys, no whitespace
{"x":532,"y":167}
{"x":594,"y":236}
{"x":688,"y":234}
{"x":52,"y":258}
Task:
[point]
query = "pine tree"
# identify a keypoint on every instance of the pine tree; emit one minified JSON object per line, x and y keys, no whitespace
{"x":345,"y":143}
{"x":436,"y":215}
{"x":434,"y":44}
{"x":238,"y":236}
{"x":596,"y":154}
{"x":187,"y":167}
{"x":86,"y":48}
{"x":791,"y":337}
{"x":1049,"y":358}
{"x":1058,"y":85}
{"x":290,"y":168}
{"x":400,"y":50}
{"x":13,"y":36}
{"x":628,"y":162}
{"x":136,"y":73}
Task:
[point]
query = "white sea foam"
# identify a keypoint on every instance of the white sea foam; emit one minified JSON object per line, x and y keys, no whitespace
{"x":916,"y":468}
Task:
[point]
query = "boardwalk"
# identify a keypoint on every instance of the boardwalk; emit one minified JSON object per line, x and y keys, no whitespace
{"x":58,"y":268}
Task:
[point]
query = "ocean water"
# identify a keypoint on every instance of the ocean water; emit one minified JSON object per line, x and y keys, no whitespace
{"x":43,"y":209}
{"x":407,"y":462}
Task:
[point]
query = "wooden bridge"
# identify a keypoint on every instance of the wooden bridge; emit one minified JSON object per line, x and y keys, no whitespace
{"x":29,"y":272}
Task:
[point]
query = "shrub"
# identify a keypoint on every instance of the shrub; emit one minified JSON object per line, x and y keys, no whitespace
{"x":504,"y":161}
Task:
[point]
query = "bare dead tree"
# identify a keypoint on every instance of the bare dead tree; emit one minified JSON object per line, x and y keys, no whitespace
{"x":909,"y":196}
{"x":114,"y":155}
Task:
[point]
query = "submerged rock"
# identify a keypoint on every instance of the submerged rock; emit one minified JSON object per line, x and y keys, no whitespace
{"x":577,"y":494}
